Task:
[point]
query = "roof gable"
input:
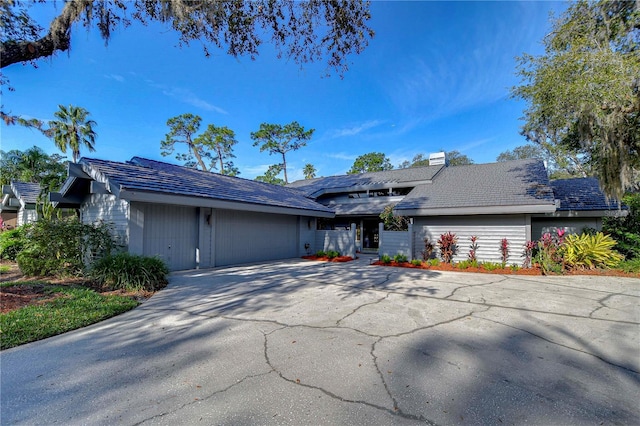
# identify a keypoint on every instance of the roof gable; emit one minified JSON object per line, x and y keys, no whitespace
{"x":498,"y":185}
{"x":581,"y":194}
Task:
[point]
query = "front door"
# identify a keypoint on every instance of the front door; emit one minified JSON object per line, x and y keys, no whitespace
{"x":370,"y":237}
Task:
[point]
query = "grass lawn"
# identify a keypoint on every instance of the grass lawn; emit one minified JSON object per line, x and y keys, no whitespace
{"x":60,"y":308}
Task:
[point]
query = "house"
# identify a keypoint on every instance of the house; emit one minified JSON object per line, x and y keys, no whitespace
{"x":19,"y":201}
{"x":513,"y":200}
{"x":192,"y":218}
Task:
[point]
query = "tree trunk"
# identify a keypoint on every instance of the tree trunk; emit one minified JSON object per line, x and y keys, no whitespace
{"x":284,"y":166}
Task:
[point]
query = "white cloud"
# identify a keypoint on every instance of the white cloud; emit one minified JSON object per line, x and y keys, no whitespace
{"x":188,"y":97}
{"x":473,"y":144}
{"x":355,"y":129}
{"x":115,"y":77}
{"x":342,"y":156}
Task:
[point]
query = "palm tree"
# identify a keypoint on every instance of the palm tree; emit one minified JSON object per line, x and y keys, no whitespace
{"x":72,"y":129}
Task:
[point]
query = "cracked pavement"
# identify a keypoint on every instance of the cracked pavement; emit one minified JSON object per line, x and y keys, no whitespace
{"x":297,"y":342}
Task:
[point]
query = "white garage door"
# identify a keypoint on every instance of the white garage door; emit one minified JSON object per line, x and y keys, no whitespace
{"x":171,"y":233}
{"x":244,"y":237}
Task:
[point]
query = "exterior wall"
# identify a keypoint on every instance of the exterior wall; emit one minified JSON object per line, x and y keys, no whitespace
{"x":394,"y":242}
{"x":307,"y":231}
{"x":244,"y":237}
{"x":341,"y":241}
{"x":573,"y":225}
{"x":25,"y":216}
{"x":490,"y":230}
{"x":171,"y":233}
{"x":109,"y":209}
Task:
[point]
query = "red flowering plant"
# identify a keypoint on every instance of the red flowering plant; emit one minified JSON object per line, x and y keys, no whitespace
{"x":529,"y":246}
{"x":474,"y":249}
{"x":549,"y":255}
{"x":447,"y":245}
{"x":504,"y":251}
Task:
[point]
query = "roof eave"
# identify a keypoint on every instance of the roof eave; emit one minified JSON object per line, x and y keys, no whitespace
{"x":478,"y":210}
{"x":164,"y":198}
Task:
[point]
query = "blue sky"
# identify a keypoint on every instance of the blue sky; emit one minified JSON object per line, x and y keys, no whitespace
{"x":436,"y":76}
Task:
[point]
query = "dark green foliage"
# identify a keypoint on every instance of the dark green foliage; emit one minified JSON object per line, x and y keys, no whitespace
{"x":392,"y":221}
{"x":11,"y":243}
{"x":321,"y":253}
{"x":278,"y":139}
{"x":626,"y":230}
{"x":416,"y":262}
{"x":62,"y":247}
{"x":34,"y":166}
{"x":400,"y":258}
{"x":129,"y":272}
{"x":632,"y":265}
{"x":582,"y":93}
{"x":331,"y":254}
{"x":371,"y":162}
{"x":385,"y":258}
{"x":77,"y":307}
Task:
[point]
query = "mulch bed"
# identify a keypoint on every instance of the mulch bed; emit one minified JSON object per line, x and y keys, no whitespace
{"x":30,"y":291}
{"x":509,"y":271}
{"x":339,"y":259}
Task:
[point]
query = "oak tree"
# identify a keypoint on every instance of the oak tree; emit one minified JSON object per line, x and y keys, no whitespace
{"x":583,"y":93}
{"x":371,"y":162}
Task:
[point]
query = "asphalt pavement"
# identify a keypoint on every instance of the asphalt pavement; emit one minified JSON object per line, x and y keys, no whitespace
{"x":301,"y":342}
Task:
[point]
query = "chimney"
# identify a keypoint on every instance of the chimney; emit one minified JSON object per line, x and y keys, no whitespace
{"x":438,"y":159}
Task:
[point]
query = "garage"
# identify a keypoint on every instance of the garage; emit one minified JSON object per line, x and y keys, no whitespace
{"x":244,"y":237}
{"x":171,"y":233}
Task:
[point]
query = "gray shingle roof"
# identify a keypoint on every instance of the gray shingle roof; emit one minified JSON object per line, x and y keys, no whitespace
{"x":372,"y":207}
{"x":312,"y":187}
{"x":155,"y":176}
{"x":580,"y":194}
{"x":27,"y":192}
{"x":511,"y":183}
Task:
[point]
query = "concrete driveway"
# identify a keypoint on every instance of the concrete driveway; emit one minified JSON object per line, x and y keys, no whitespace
{"x":298,"y":342}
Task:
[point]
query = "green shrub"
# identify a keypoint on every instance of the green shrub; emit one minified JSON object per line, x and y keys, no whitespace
{"x":465,"y":264}
{"x":331,"y":254}
{"x":491,"y":266}
{"x":631,"y":266}
{"x":11,"y":243}
{"x":385,"y":258}
{"x":320,"y":253}
{"x":433,"y":262}
{"x":590,"y":251}
{"x":626,"y":229}
{"x":400,"y":258}
{"x":62,"y":247}
{"x":416,"y":262}
{"x":514,"y":267}
{"x":130,"y":272}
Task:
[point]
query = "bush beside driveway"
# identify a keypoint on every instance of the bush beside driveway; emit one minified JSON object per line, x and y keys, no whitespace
{"x":318,"y":343}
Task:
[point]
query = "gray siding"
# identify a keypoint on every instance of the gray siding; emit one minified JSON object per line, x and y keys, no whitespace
{"x":394,"y":242}
{"x":25,"y":216}
{"x":341,"y":241}
{"x":490,"y":230}
{"x":307,"y":235}
{"x":573,"y":225}
{"x":244,"y":237}
{"x":109,"y":209}
{"x":171,"y":233}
